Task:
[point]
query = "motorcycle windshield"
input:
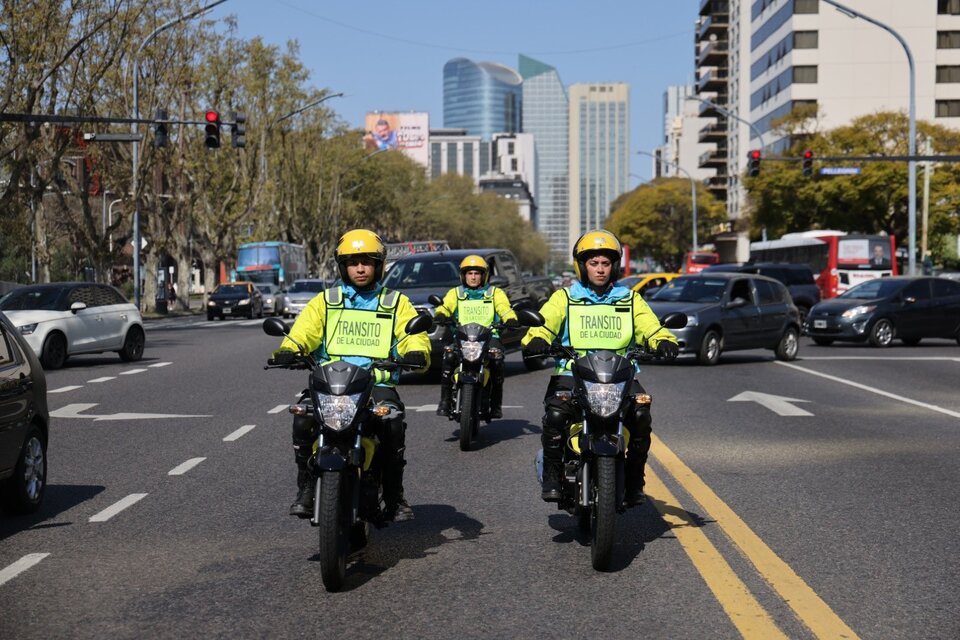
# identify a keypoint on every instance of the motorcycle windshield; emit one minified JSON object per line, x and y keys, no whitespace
{"x":340,"y":378}
{"x":603,"y":366}
{"x":473,"y":332}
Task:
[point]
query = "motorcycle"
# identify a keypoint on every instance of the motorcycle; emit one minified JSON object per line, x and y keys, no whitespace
{"x":471,"y":378}
{"x":345,"y":462}
{"x":592,"y":482}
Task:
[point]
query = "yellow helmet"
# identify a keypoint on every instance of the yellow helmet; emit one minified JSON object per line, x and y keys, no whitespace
{"x":592,"y":242}
{"x":474,"y":262}
{"x":360,"y":243}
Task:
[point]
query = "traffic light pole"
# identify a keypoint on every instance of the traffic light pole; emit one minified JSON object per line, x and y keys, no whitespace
{"x":135,"y":153}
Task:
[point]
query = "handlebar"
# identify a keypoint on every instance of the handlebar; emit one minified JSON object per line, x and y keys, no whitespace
{"x":642,"y":353}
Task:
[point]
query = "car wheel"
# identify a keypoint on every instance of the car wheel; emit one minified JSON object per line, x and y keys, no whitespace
{"x":910,"y":342}
{"x":881,"y":335}
{"x":54,"y":351}
{"x":710,"y":348}
{"x":133,"y":345}
{"x":24,"y":490}
{"x":823,"y":342}
{"x":789,"y":345}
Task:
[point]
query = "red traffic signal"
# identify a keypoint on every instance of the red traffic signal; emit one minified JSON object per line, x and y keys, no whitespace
{"x":212,"y":129}
{"x":753,"y":167}
{"x":808,"y":163}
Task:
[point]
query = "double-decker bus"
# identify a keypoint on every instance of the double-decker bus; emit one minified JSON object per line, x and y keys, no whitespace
{"x":839,"y":260}
{"x":271,"y":262}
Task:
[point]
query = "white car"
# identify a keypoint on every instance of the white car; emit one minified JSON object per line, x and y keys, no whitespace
{"x":62,"y":319}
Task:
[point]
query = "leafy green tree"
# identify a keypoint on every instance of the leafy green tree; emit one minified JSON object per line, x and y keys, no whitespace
{"x":656,"y":219}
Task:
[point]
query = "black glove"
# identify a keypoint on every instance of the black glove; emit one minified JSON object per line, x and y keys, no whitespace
{"x":415,"y":358}
{"x":512,"y":323}
{"x":667,"y":350}
{"x":284,"y":358}
{"x":536,"y":347}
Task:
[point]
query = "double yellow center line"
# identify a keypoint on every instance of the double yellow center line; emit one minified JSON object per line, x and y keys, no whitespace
{"x":750,"y":619}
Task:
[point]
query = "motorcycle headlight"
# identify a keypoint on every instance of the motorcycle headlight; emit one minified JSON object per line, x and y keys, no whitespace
{"x":604,"y":398}
{"x":471,"y":350}
{"x":27,"y":329}
{"x":858,"y":311}
{"x":337,"y":412}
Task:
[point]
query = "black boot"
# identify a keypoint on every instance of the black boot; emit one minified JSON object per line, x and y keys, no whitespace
{"x":633,"y":483}
{"x":552,"y":475}
{"x":496,"y":399}
{"x":302,"y":507}
{"x":446,"y":397}
{"x":395,"y":506}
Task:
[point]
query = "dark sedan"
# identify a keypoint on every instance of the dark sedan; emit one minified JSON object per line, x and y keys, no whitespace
{"x":729,"y":311}
{"x":235,"y":299}
{"x":880,"y":310}
{"x":24,"y":423}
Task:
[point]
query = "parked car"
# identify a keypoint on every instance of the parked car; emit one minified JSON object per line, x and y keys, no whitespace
{"x":63,"y":319}
{"x":235,"y":299}
{"x":429,"y":273}
{"x":730,"y":311}
{"x":300,"y":293}
{"x":274,"y":298}
{"x":906,"y":307}
{"x":799,"y":279}
{"x":24,"y":423}
{"x":650,"y":282}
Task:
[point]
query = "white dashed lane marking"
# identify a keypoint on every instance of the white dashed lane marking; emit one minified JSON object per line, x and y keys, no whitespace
{"x":12,"y":571}
{"x":117,"y":507}
{"x":131,"y":372}
{"x":65,"y":389}
{"x":239,"y":433}
{"x":103,"y":379}
{"x":159,"y":364}
{"x":280,"y":408}
{"x":181,"y":469}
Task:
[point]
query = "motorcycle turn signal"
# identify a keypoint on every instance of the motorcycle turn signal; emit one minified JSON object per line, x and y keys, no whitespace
{"x":644,"y":399}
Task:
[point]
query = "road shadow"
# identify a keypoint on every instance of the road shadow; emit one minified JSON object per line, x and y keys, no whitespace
{"x":433,"y":526}
{"x":58,"y":499}
{"x":497,"y":432}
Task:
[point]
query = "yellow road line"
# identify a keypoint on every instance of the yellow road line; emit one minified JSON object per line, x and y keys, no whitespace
{"x":750,"y":619}
{"x":806,"y":604}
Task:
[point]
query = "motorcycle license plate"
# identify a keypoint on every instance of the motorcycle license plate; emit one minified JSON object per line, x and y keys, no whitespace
{"x":819,"y":324}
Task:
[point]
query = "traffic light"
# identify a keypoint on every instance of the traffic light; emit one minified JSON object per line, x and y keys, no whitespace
{"x":753,"y":168}
{"x":160,"y":128}
{"x":213,"y":129}
{"x":808,"y":163}
{"x":238,"y":130}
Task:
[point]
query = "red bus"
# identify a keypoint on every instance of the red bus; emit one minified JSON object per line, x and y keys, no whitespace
{"x":839,"y":260}
{"x":697,"y":261}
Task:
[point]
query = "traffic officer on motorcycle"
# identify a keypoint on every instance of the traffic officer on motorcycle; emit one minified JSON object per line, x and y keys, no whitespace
{"x":475,"y":301}
{"x":322,"y":327}
{"x":590,"y":300}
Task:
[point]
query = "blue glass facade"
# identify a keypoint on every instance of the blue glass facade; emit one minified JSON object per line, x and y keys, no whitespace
{"x":482,"y":97}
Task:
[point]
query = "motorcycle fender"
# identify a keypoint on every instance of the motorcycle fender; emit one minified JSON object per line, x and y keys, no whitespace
{"x":605,"y":447}
{"x":330,"y":461}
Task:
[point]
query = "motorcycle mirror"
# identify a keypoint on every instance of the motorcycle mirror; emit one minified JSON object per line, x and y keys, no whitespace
{"x":529,"y":318}
{"x":421,"y":324}
{"x":435,"y":300}
{"x":675,"y":320}
{"x":275,"y":327}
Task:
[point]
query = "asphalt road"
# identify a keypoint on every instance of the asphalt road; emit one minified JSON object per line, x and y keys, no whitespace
{"x":170,"y":481}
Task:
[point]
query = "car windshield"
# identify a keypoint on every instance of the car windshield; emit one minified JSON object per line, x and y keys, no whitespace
{"x":231,"y":288}
{"x":422,"y":273}
{"x":265,"y":288}
{"x":871,"y":289}
{"x":306,"y":286}
{"x":695,"y":289}
{"x":32,"y":299}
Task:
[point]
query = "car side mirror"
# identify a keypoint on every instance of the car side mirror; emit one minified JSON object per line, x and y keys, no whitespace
{"x":78,"y":306}
{"x":736,"y":303}
{"x":435,"y":300}
{"x":909,"y":300}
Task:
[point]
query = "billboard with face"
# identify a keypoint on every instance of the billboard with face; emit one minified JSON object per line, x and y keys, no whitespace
{"x":406,"y":131}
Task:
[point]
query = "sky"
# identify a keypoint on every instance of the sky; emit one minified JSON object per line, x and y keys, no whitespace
{"x":389,"y":56}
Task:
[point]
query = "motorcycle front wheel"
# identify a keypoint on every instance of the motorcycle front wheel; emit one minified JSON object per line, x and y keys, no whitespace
{"x":604,"y":512}
{"x":468,"y":415}
{"x":334,"y":530}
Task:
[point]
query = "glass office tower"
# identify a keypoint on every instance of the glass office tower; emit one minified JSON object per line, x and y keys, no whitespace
{"x":545,"y":115}
{"x":482,"y":97}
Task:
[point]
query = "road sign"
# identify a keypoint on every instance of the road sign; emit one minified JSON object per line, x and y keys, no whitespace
{"x":840,"y":171}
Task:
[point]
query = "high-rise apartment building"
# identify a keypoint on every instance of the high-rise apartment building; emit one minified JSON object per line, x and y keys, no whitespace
{"x":482,"y":97}
{"x":545,"y":115}
{"x":681,"y":137}
{"x":599,"y":153}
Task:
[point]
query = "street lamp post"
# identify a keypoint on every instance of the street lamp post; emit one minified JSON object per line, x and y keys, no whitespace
{"x":693,"y":191}
{"x":135,"y":155}
{"x":912,"y":141}
{"x":263,"y":149}
{"x":730,"y":114}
